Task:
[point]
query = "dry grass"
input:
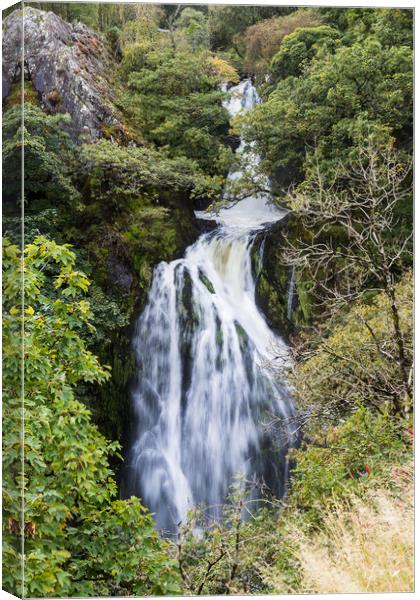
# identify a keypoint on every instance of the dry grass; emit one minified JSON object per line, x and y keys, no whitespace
{"x":366,"y":546}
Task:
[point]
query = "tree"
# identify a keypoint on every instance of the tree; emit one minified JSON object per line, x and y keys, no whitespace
{"x":194,"y":24}
{"x":139,"y":36}
{"x":75,"y":11}
{"x":340,"y":99}
{"x":353,"y":243}
{"x":175,"y":102}
{"x":263,"y":40}
{"x":299,"y":48}
{"x":115,"y":178}
{"x":49,"y":157}
{"x":77,"y":539}
{"x":392,"y":26}
{"x":135,"y":200}
{"x":227,"y":24}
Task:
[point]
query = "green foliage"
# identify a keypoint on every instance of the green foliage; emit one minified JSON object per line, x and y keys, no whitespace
{"x":123,"y":189}
{"x":339,"y":78}
{"x":262,"y":40}
{"x":71,"y":11}
{"x":120,"y":549}
{"x":173,"y":97}
{"x":392,"y":26}
{"x":194,"y":25}
{"x":334,"y":465}
{"x":151,"y":238}
{"x":260,"y":554}
{"x":341,"y":98}
{"x":78,"y":540}
{"x":140,"y":36}
{"x":300,"y":47}
{"x":108,"y":316}
{"x":230,"y":554}
{"x":357,"y":364}
{"x":227,"y":23}
{"x":49,"y":154}
{"x":99,"y":17}
{"x":113,"y":177}
{"x":176,"y":104}
{"x":350,"y":237}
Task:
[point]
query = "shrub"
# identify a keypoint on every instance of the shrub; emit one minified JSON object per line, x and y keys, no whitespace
{"x":79,"y":540}
{"x":49,"y":158}
{"x":262,"y":40}
{"x":358,"y":363}
{"x":343,"y":460}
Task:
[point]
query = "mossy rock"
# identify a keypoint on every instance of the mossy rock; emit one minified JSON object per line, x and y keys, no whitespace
{"x":29,"y":96}
{"x":206,"y":282}
{"x":273,"y":279}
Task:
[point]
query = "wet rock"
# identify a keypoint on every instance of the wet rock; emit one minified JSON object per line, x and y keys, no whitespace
{"x":68,"y":65}
{"x":272,"y":278}
{"x":119,"y":275}
{"x":206,"y":281}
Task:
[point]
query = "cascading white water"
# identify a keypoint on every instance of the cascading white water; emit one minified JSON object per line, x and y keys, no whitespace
{"x":206,"y":390}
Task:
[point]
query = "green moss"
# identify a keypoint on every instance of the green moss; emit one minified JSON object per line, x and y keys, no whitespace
{"x":271,"y":292}
{"x":303,"y":289}
{"x":121,"y":133}
{"x":29,"y":96}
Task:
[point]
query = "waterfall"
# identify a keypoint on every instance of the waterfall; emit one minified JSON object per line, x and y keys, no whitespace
{"x":260,"y":262}
{"x":206,"y":394}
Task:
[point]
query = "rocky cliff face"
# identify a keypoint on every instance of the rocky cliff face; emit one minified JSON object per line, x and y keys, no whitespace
{"x":68,"y":65}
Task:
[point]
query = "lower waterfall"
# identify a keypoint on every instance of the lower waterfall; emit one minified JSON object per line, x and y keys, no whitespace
{"x":207,"y":402}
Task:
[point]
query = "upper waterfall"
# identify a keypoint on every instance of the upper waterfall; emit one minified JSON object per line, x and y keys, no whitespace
{"x":256,"y":211}
{"x":207,"y":401}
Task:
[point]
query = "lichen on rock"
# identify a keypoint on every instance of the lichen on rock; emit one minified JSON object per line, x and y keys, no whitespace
{"x":69,"y":67}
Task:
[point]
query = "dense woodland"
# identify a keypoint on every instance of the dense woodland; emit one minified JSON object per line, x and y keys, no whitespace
{"x":334,"y":131}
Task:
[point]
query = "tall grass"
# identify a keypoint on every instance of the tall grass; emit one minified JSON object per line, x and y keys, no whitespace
{"x":365,"y":545}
